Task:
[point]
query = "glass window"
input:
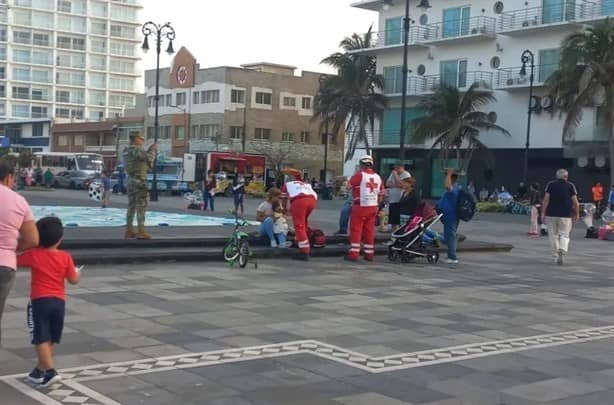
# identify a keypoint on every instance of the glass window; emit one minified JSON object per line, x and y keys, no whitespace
{"x":72,"y":24}
{"x":21,"y":110}
{"x":236,"y":132}
{"x":393,"y":79}
{"x":123,"y":13}
{"x":548,"y":63}
{"x":305,"y":137}
{"x":180,"y":98}
{"x":263,"y":134}
{"x":62,"y":113}
{"x":264,"y":98}
{"x":394,"y":29}
{"x":21,"y":17}
{"x":98,"y":45}
{"x":122,"y":49}
{"x":40,"y":93}
{"x":289,"y":102}
{"x":98,"y":62}
{"x":97,"y":80}
{"x":121,"y":83}
{"x":123,"y":31}
{"x":287,"y":137}
{"x":121,"y":100}
{"x":169,"y":100}
{"x":122,"y":66}
{"x":196,"y":97}
{"x":306,"y":103}
{"x":96,"y":115}
{"x":456,"y":21}
{"x":37,"y":129}
{"x":42,"y":20}
{"x":21,"y":92}
{"x":237,"y":96}
{"x":43,"y":4}
{"x":454,"y":73}
{"x":180,"y":133}
{"x":42,"y":57}
{"x":41,"y":76}
{"x":98,"y":9}
{"x":21,"y":55}
{"x":21,"y":74}
{"x":41,"y":39}
{"x":22,"y":37}
{"x":210,"y":96}
{"x":39,"y":112}
{"x":98,"y":27}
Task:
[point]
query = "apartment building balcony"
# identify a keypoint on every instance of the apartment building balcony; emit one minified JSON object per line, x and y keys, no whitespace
{"x":466,"y":29}
{"x":373,"y":5}
{"x":393,"y":39}
{"x":510,"y":79}
{"x":598,"y":10}
{"x":535,"y":19}
{"x":425,"y":85}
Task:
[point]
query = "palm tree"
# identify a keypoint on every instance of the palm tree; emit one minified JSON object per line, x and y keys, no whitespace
{"x":453,"y":121}
{"x":353,"y":95}
{"x":586,"y":77}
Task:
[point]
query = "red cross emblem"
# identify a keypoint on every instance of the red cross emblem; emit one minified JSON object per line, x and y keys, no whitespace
{"x":372,"y":184}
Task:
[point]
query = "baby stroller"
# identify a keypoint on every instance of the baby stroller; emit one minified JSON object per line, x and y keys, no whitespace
{"x":408,"y":242}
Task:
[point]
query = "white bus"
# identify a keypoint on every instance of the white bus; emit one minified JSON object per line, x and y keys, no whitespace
{"x":90,"y":163}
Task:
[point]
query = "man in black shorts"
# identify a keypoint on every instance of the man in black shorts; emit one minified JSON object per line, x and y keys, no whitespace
{"x":395,"y":190}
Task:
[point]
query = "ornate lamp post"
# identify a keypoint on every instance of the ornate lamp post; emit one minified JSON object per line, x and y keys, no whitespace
{"x":323,"y":179}
{"x":159,"y":32}
{"x":528,"y":57}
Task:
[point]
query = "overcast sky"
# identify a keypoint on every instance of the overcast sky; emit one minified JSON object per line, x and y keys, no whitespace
{"x":233,"y":32}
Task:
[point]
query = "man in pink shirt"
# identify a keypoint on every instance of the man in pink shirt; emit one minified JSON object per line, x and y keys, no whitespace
{"x":17,"y":230}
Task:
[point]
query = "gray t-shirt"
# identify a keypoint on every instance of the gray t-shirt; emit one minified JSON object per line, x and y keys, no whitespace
{"x":394,"y":193}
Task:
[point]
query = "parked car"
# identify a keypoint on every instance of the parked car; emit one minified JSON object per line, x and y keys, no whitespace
{"x":114,"y":182}
{"x":74,"y":179}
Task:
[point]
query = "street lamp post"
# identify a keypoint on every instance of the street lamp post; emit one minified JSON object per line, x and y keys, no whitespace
{"x":324,"y":139}
{"x":404,"y":72}
{"x":159,"y":32}
{"x":528,"y":57}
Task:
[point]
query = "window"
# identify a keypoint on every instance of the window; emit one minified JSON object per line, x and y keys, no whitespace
{"x":122,"y":31}
{"x":41,"y":39}
{"x":63,"y":140}
{"x":39,"y":112}
{"x":454,"y":73}
{"x":180,"y":98}
{"x":237,"y":96}
{"x":62,"y":112}
{"x":64,"y":6}
{"x":70,"y":78}
{"x":287,"y":137}
{"x":21,"y":74}
{"x":2,"y":72}
{"x":40,"y":93}
{"x":97,"y":80}
{"x":164,"y":132}
{"x":393,"y":31}
{"x":21,"y":110}
{"x":21,"y":55}
{"x":123,"y":13}
{"x":122,"y":49}
{"x":456,"y":21}
{"x":98,"y":27}
{"x":78,"y":139}
{"x":75,"y":43}
{"x":548,"y":63}
{"x":289,"y":102}
{"x":98,"y":9}
{"x":305,"y":137}
{"x":196,"y":98}
{"x":21,"y":37}
{"x":210,"y":96}
{"x":262,"y":134}
{"x":3,"y":34}
{"x":393,"y":79}
{"x":150,"y":132}
{"x":98,"y":45}
{"x":306,"y":103}
{"x":120,"y":100}
{"x":98,"y":62}
{"x":264,"y":98}
{"x":71,"y":24}
{"x":96,"y":97}
{"x":21,"y":92}
{"x":121,"y":83}
{"x":42,"y":57}
{"x":169,"y":100}
{"x":208,"y":131}
{"x":236,"y":132}
{"x":37,"y":129}
{"x":180,"y":133}
{"x":122,"y":66}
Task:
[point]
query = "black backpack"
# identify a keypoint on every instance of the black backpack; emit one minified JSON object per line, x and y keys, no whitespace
{"x":592,"y":233}
{"x":465,"y":206}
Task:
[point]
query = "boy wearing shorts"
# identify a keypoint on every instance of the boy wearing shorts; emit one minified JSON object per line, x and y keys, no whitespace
{"x":49,"y":268}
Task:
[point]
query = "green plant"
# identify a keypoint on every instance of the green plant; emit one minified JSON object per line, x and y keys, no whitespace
{"x":485,"y":206}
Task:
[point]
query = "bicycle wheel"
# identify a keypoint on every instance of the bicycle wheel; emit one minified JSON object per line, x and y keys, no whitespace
{"x":243,"y":252}
{"x":231,"y":251}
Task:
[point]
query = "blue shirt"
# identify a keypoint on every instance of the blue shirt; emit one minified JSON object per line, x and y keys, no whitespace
{"x":106,"y":183}
{"x":447,"y":204}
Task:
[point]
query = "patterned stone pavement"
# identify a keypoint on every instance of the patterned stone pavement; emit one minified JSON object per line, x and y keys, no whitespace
{"x":505,"y":328}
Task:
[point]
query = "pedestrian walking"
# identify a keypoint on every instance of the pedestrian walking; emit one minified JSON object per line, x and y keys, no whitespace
{"x":535,"y":201}
{"x":238,"y":192}
{"x":367,"y":190}
{"x":17,"y":230}
{"x":395,"y":189}
{"x":597,"y":196}
{"x":49,"y":266}
{"x":48,"y":178}
{"x":560,"y":207}
{"x":300,"y":200}
{"x":138,"y":163}
{"x":106,"y":189}
{"x":447,"y":206}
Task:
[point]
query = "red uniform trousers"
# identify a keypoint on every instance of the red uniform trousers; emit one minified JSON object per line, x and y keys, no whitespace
{"x":300,"y":208}
{"x":362,"y":229}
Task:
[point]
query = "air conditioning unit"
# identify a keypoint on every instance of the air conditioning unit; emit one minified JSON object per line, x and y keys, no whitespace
{"x":510,"y":82}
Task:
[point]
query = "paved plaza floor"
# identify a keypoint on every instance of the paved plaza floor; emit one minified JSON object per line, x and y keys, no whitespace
{"x":505,"y":328}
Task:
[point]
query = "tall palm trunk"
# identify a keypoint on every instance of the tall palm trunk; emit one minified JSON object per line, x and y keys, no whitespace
{"x":363,"y":134}
{"x":609,"y":119}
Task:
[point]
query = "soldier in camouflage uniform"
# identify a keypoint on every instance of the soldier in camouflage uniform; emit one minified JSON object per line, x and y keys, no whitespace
{"x":138,"y":163}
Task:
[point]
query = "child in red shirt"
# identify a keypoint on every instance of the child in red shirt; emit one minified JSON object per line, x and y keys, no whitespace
{"x":50,"y":266}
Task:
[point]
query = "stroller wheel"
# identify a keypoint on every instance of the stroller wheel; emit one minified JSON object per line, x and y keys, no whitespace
{"x":433,"y":257}
{"x":393,"y":255}
{"x":405,"y":258}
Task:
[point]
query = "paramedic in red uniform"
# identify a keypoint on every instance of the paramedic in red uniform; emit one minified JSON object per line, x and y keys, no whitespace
{"x":367,"y":189}
{"x":302,"y":200}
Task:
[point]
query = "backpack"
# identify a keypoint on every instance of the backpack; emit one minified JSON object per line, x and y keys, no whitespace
{"x":316,"y":237}
{"x":465,"y":206}
{"x":592,"y":233}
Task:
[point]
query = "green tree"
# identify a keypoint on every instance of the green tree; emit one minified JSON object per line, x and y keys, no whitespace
{"x":453,"y":121}
{"x":352,"y":96}
{"x":586,"y":77}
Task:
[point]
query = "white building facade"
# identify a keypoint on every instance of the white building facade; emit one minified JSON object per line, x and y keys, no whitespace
{"x":69,"y":59}
{"x":462,"y":42}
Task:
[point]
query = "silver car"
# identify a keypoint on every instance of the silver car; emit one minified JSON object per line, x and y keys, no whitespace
{"x":73,"y":179}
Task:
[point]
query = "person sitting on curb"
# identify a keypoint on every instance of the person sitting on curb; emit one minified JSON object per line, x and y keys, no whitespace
{"x":265,"y":213}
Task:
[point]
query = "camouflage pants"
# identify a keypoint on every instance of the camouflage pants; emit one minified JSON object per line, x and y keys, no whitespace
{"x":138,"y":197}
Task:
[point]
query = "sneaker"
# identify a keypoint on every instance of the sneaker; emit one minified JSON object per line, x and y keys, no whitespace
{"x":559,"y":258}
{"x":273,"y":244}
{"x":36,"y":376}
{"x":51,"y":376}
{"x":452,"y":261}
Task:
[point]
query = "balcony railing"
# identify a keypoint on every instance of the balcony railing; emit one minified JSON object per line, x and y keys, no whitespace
{"x":466,"y":27}
{"x":539,"y":16}
{"x":417,"y":34}
{"x":509,"y":78}
{"x":422,"y":85}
